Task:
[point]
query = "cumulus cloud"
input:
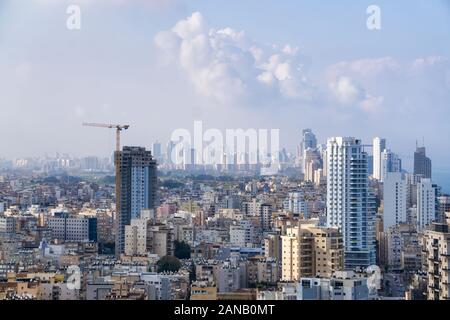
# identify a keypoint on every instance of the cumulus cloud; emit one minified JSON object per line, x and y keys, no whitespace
{"x":433,"y":68}
{"x":421,"y":64}
{"x":366,"y":82}
{"x":374,"y":69}
{"x":347,"y":92}
{"x":368,"y":68}
{"x":225,"y":64}
{"x":354,"y":82}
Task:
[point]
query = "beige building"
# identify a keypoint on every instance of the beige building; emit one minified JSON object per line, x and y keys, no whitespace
{"x":136,"y":238}
{"x":309,"y":251}
{"x":202,"y":291}
{"x":105,"y":226}
{"x":37,"y":286}
{"x":160,"y":240}
{"x":233,"y":214}
{"x":436,"y":260}
{"x":272,"y":246}
{"x":142,"y":237}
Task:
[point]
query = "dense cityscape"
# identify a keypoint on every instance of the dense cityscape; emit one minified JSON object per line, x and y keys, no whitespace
{"x":342,"y":220}
{"x":197,"y":159}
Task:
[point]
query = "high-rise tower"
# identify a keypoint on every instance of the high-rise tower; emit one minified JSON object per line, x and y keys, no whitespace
{"x":350,"y":206}
{"x":309,"y":142}
{"x":379,"y":145}
{"x":422,"y":164}
{"x":136,"y":190}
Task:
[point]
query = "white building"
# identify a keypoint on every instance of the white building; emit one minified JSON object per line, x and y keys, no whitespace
{"x":7,"y":225}
{"x":309,"y":142}
{"x":136,"y":238}
{"x":296,"y":204}
{"x":344,"y":285}
{"x":241,"y":234}
{"x":379,"y":145}
{"x":390,"y":162}
{"x":230,"y":276}
{"x":426,"y":203}
{"x":395,"y":192}
{"x":72,"y":229}
{"x":349,"y":204}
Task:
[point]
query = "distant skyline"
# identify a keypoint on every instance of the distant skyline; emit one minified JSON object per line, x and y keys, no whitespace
{"x":160,"y":65}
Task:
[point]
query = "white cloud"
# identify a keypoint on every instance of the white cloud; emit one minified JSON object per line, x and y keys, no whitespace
{"x":347,"y":92}
{"x":372,"y":104}
{"x":224,"y":64}
{"x":368,"y":68}
{"x":372,"y":83}
{"x":435,"y":69}
{"x":421,"y":64}
{"x":354,"y":82}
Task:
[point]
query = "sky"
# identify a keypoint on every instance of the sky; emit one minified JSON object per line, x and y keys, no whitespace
{"x":159,"y":65}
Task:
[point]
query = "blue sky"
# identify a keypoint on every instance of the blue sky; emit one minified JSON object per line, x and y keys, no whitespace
{"x":126,"y":64}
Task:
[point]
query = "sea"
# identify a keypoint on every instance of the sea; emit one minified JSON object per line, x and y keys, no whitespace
{"x":442,"y":179}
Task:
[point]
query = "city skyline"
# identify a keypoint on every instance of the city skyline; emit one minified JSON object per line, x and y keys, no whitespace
{"x":441,"y":177}
{"x":251,"y":152}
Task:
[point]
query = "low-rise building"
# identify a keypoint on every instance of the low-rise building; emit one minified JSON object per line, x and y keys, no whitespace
{"x":343,"y":285}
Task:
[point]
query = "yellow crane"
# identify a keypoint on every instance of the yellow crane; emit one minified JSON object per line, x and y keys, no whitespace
{"x":118,"y":128}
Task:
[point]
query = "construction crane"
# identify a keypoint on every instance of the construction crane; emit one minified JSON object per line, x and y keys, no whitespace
{"x":118,"y":179}
{"x":118,"y":128}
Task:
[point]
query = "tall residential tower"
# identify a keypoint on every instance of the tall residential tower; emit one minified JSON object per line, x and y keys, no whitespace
{"x":422,"y":164}
{"x":379,"y":145}
{"x":350,"y":206}
{"x":136,"y":188}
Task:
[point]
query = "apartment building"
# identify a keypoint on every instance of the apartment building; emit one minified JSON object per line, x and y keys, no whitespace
{"x":436,"y":260}
{"x":309,"y":251}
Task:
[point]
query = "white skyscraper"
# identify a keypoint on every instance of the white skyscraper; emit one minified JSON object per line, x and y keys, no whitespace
{"x":426,"y":203}
{"x":349,"y":204}
{"x":390,"y":162}
{"x":396,"y":193}
{"x":157,"y":151}
{"x":378,"y":147}
{"x":309,"y":142}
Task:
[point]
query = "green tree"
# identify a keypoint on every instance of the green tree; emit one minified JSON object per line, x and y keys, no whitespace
{"x":182,"y":250}
{"x":169,"y":263}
